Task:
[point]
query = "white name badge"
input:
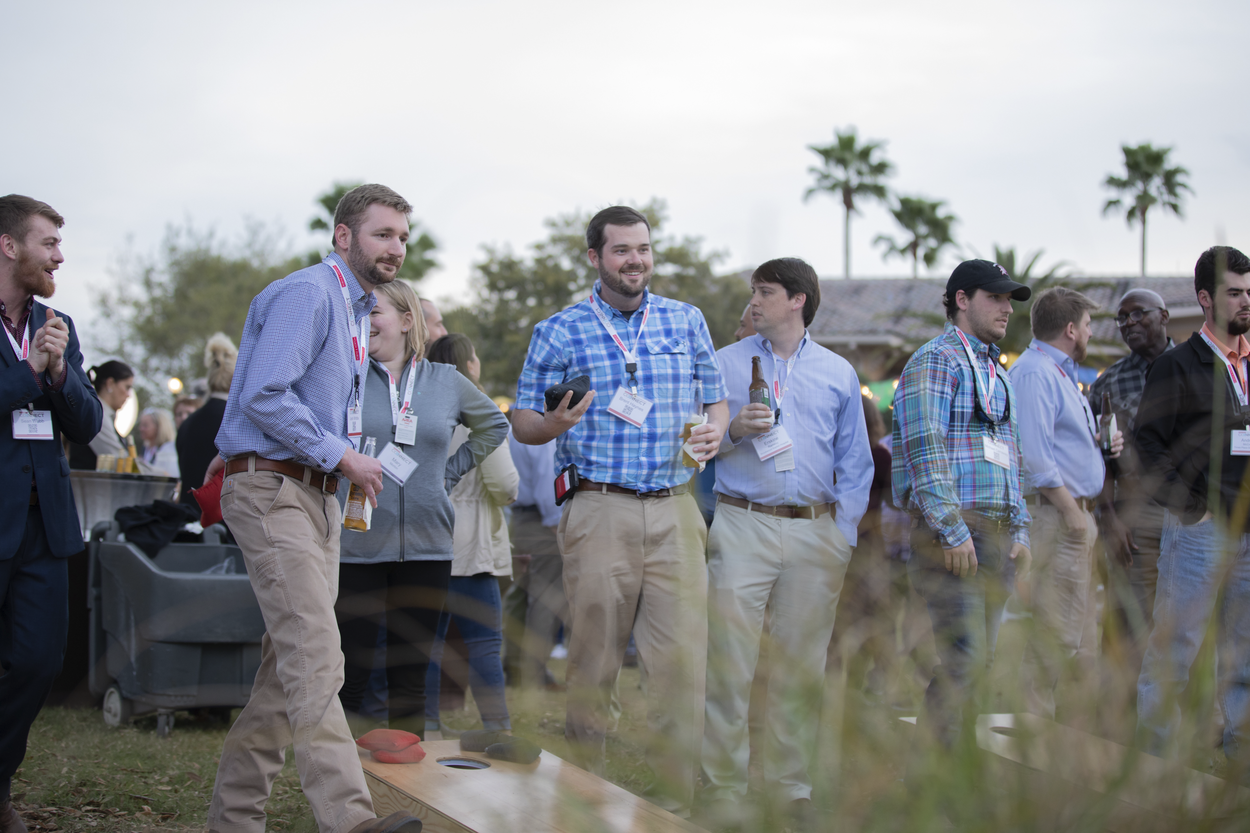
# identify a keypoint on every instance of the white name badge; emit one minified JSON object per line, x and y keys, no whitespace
{"x":773,"y":443}
{"x":396,"y":464}
{"x":406,"y":429}
{"x":996,"y":452}
{"x":630,"y":407}
{"x":32,"y":425}
{"x":1240,"y":446}
{"x":355,"y":424}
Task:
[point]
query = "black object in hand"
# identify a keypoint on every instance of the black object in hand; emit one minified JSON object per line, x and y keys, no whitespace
{"x":554,"y":394}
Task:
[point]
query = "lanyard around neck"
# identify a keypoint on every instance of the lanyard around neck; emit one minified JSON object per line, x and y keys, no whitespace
{"x":396,"y":410}
{"x":976,"y":377}
{"x":1238,"y":386}
{"x":779,"y":392}
{"x":22,"y":352}
{"x":631,"y":353}
{"x":358,"y":334}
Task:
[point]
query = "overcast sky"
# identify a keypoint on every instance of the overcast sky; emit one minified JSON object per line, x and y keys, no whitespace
{"x":491,"y":116}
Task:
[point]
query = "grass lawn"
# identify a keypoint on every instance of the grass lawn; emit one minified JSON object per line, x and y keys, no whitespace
{"x":80,"y":775}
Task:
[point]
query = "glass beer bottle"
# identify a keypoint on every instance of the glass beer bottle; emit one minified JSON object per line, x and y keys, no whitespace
{"x":1107,"y":424}
{"x":358,"y":512}
{"x":758,"y":391}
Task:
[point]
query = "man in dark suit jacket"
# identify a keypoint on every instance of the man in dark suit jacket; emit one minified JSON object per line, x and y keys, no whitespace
{"x":46,"y":392}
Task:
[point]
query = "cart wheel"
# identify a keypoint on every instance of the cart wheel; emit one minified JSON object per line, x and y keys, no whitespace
{"x":164,"y":724}
{"x":117,"y":709}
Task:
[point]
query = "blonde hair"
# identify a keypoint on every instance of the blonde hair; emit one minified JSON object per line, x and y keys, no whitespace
{"x":220,"y":356}
{"x":404,"y":298}
{"x":164,"y":424}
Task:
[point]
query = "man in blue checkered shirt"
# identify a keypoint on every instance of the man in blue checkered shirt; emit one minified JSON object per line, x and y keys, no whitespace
{"x":632,"y":538}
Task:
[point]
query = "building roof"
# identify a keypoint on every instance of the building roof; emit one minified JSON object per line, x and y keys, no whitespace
{"x":906,"y":312}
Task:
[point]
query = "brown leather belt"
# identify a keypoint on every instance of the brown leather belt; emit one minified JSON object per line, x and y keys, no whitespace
{"x":612,"y":488}
{"x":328,"y":483}
{"x":1039,"y":499}
{"x":975,"y":521}
{"x":811,"y":513}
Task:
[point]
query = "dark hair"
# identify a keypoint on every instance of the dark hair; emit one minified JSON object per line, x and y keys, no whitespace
{"x":1204,"y":269}
{"x":353,"y":205}
{"x":453,"y":348}
{"x":617,"y":215}
{"x":114,"y":369}
{"x":1055,"y":309}
{"x":16,"y":211}
{"x":952,"y":306}
{"x":795,"y":276}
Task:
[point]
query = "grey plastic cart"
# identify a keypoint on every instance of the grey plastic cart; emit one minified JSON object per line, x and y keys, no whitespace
{"x":166,"y":635}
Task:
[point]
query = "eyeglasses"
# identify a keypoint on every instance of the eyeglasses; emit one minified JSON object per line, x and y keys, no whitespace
{"x":1135,"y":316}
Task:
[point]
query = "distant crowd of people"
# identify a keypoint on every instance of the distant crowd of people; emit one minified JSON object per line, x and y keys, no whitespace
{"x":730,"y":514}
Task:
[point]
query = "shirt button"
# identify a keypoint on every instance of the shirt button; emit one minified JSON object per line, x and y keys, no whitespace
{"x":26,"y":469}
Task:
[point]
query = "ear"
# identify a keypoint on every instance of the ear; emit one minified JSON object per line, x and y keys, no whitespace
{"x":799,"y":299}
{"x":9,"y":246}
{"x":962,"y":300}
{"x":593,"y":257}
{"x":407,"y":321}
{"x":342,"y":237}
{"x":1204,"y":298}
{"x":1164,"y":316}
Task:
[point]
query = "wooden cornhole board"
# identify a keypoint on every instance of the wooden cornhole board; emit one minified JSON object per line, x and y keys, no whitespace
{"x":1079,"y":770}
{"x":547,"y":795}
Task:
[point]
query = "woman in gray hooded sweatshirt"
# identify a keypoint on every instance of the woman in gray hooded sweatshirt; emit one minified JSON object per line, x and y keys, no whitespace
{"x":399,"y":569}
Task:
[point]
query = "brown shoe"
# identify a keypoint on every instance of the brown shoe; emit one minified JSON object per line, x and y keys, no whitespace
{"x":11,"y":822}
{"x":394,"y":823}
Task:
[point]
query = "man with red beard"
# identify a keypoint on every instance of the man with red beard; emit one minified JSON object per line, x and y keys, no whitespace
{"x":292,"y":424}
{"x":47,"y":393}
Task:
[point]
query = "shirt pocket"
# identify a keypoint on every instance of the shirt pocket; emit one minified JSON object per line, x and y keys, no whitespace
{"x":671,"y":367}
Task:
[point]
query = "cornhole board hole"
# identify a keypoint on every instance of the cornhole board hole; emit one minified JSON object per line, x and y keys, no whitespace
{"x":547,"y":795}
{"x":1072,"y":773}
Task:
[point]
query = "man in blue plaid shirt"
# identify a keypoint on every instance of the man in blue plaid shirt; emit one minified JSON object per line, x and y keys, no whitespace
{"x":957,"y":472}
{"x":632,"y":539}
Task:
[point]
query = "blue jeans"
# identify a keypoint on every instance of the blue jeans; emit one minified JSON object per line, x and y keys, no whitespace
{"x":1195,"y":562}
{"x":474,"y":602}
{"x":966,"y":614}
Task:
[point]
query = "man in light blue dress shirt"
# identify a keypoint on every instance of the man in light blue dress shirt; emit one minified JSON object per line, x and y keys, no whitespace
{"x":1063,"y":475}
{"x":781,"y":538}
{"x":290,"y":426}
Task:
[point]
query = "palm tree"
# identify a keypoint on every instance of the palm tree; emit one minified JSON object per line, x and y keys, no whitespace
{"x":848,"y":169}
{"x":1149,"y":182}
{"x":929,"y":228}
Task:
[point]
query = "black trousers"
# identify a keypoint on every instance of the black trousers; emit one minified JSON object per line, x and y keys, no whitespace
{"x":34,"y":621}
{"x":409,"y":595}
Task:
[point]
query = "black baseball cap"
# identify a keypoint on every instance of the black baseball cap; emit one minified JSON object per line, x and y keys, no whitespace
{"x":987,"y":275}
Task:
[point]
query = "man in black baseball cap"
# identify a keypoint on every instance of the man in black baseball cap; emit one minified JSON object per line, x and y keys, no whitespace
{"x":957,"y":473}
{"x":984,"y":274}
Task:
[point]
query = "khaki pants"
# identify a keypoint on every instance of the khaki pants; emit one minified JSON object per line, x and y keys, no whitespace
{"x":289,"y":534}
{"x":637,"y":563}
{"x":1064,"y":608}
{"x":793,"y":569}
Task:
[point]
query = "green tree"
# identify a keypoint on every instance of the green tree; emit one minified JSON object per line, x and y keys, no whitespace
{"x":928,"y":229}
{"x":417,"y":262}
{"x":512,"y":293}
{"x":848,"y":170}
{"x":163,"y":307}
{"x":1148,"y":181}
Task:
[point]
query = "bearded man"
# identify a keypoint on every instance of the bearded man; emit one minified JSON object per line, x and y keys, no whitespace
{"x":47,"y":394}
{"x":292,"y":425}
{"x":632,"y":538}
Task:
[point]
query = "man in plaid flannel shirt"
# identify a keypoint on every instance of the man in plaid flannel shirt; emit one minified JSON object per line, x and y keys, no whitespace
{"x":632,"y":539}
{"x":957,"y":472}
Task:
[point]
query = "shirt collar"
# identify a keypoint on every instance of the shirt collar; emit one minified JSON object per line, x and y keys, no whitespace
{"x":1065,"y":362}
{"x":1140,"y":362}
{"x":979,"y":347}
{"x":1243,"y":347}
{"x":30,"y":304}
{"x":646,"y":299}
{"x":767,"y":345}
